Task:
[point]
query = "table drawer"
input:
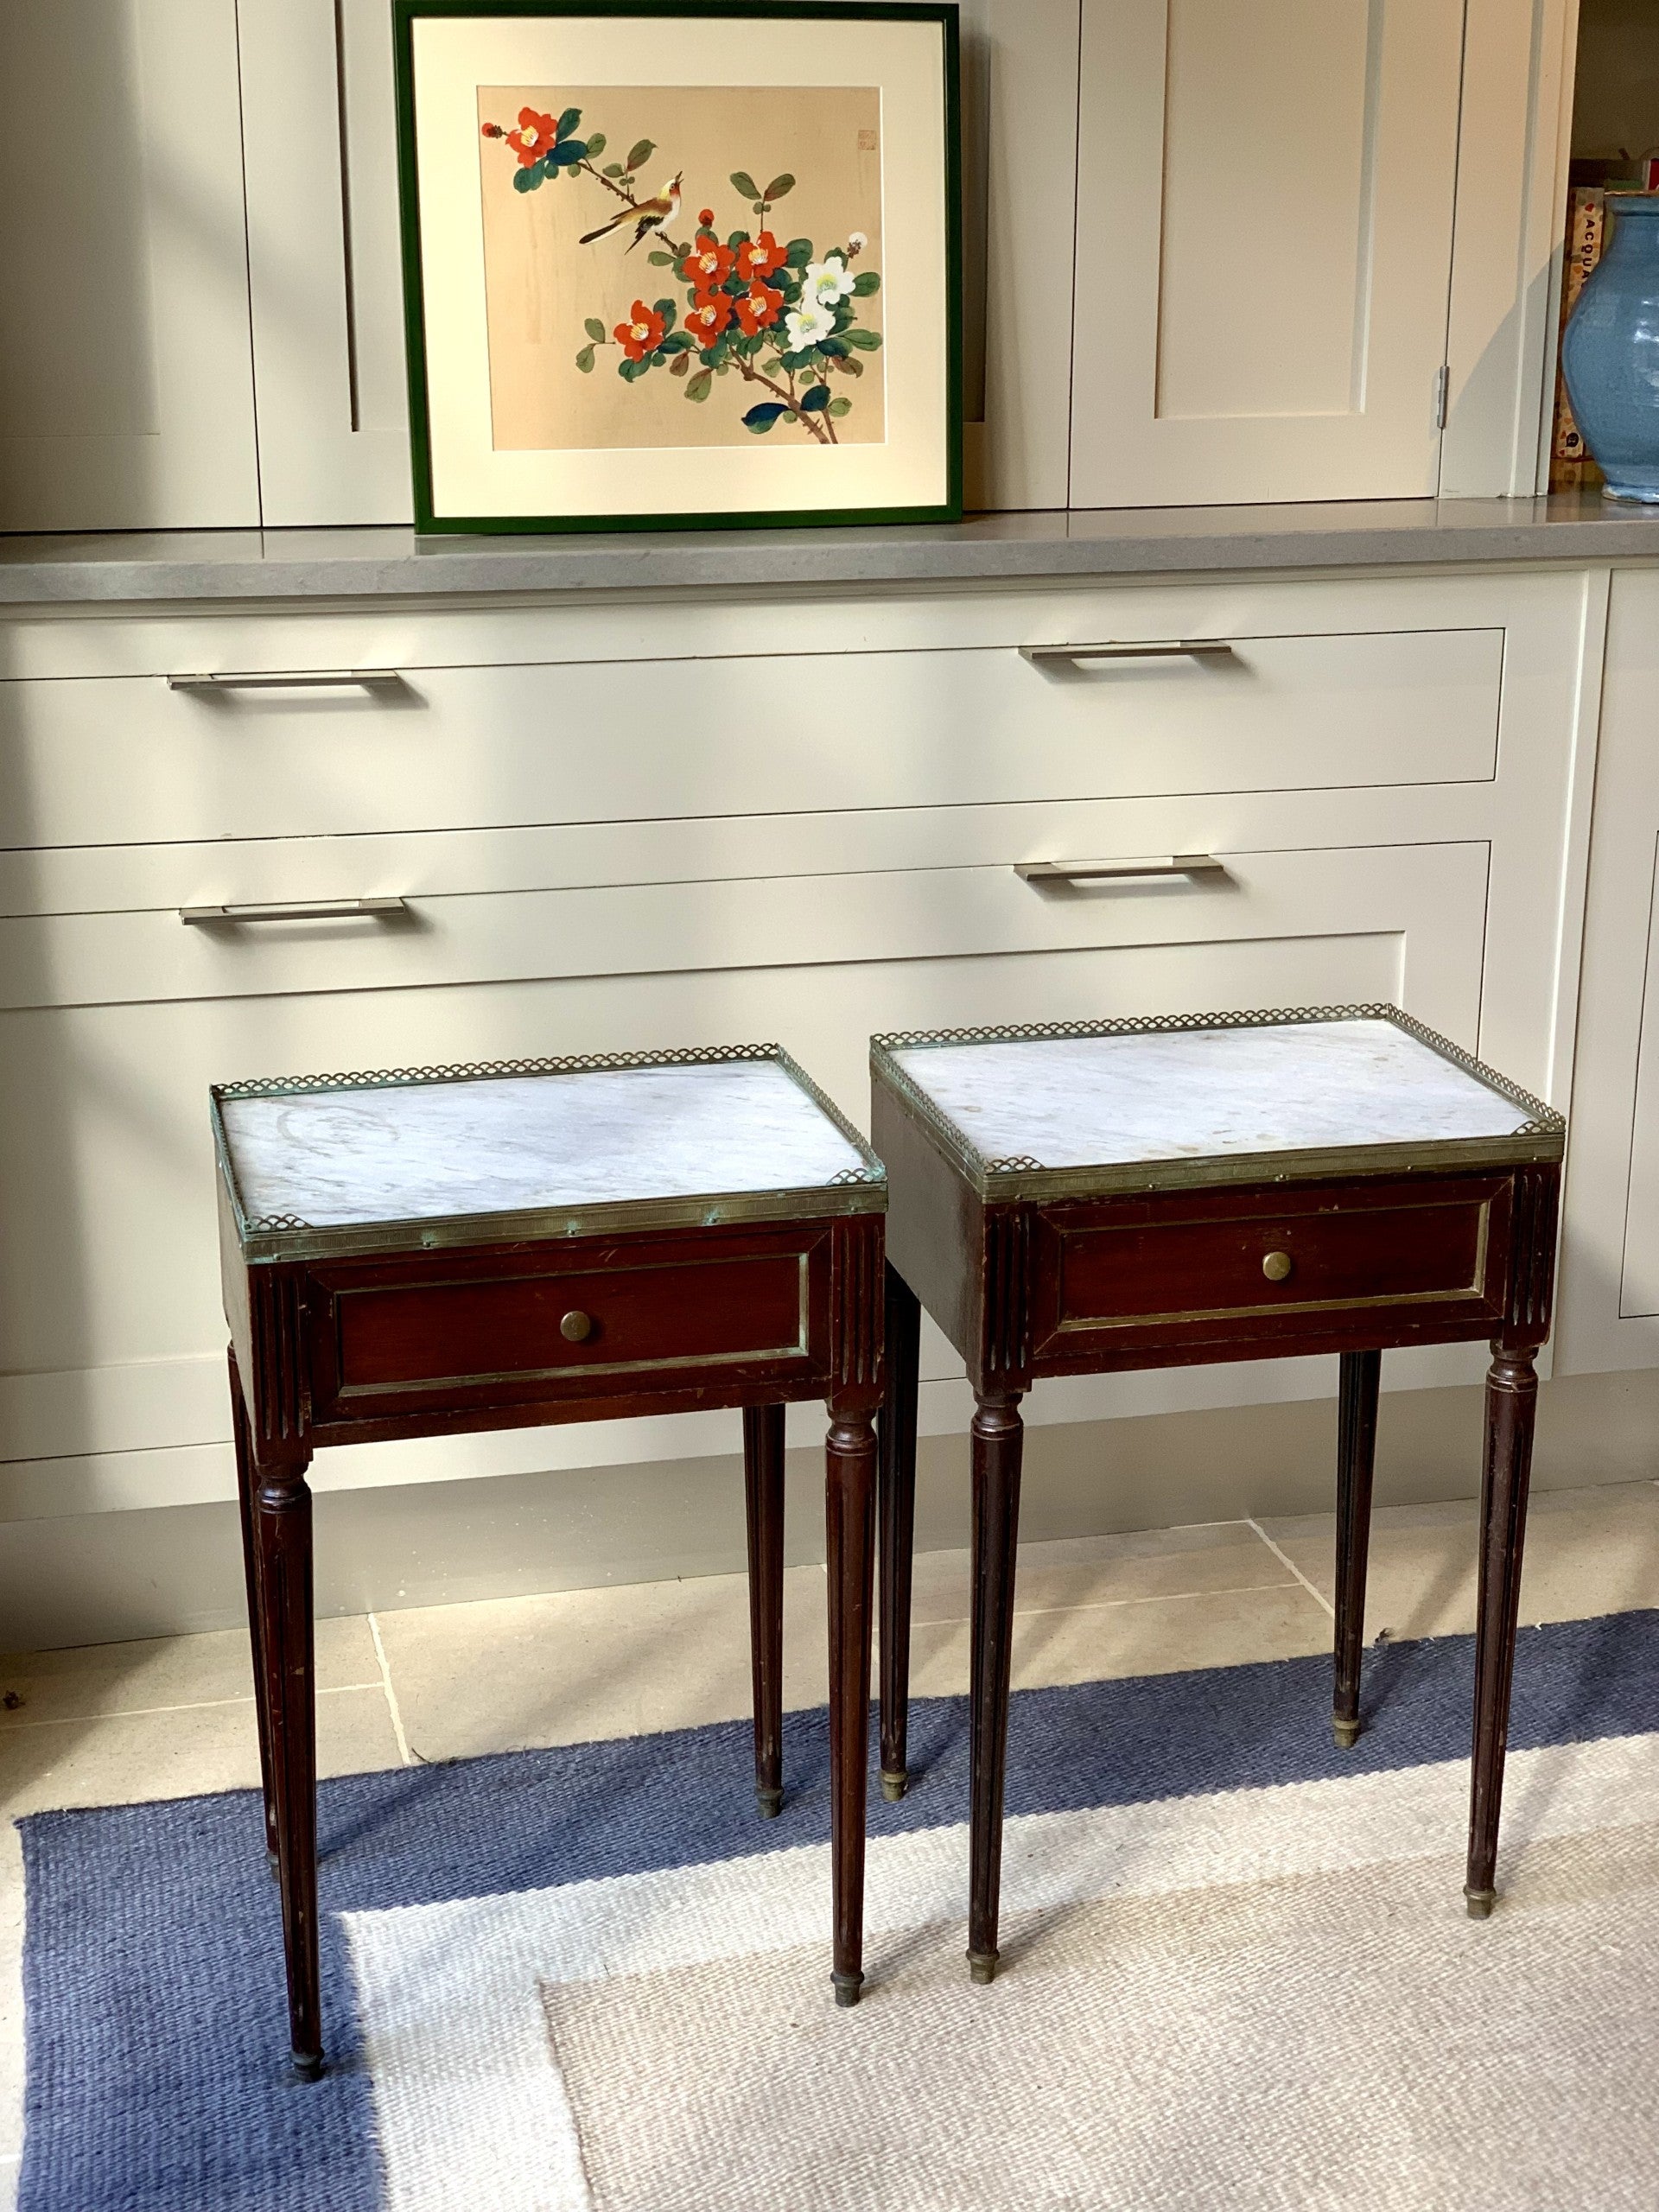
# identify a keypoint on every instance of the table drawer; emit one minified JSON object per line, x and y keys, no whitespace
{"x":522,"y":1323}
{"x":1184,"y":1264}
{"x":126,"y":759}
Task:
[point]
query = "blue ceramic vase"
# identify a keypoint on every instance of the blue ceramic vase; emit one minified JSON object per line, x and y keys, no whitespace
{"x":1610,"y":354}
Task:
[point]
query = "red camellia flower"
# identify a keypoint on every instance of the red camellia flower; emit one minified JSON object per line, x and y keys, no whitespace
{"x":708,"y":264}
{"x":757,"y":308}
{"x":706,"y":217}
{"x":642,"y":333}
{"x":758,"y":257}
{"x":708,"y":317}
{"x":535,"y":136}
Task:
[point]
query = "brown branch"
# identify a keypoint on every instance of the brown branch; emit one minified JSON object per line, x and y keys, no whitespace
{"x":777,"y":392}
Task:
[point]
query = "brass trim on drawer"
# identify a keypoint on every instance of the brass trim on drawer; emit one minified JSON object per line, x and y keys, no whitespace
{"x":1089,"y":1325}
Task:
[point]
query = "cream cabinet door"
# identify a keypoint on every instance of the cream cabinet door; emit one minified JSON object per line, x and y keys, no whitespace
{"x":1609,"y":1301}
{"x":126,"y":382}
{"x":323,"y":260}
{"x":1263,"y":249}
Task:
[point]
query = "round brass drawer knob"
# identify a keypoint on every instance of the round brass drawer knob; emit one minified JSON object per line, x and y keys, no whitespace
{"x":576,"y":1328}
{"x":1277,"y":1266}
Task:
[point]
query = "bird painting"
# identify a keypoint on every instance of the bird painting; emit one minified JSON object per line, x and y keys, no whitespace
{"x":647,"y":215}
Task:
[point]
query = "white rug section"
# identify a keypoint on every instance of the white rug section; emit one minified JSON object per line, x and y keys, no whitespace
{"x":472,"y":2112}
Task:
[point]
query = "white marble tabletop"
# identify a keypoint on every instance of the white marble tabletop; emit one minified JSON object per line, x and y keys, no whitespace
{"x":531,"y":1143}
{"x":1201,"y":1094}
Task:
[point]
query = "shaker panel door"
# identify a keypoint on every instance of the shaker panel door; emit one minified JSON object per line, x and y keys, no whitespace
{"x":126,"y":383}
{"x":1609,"y":1304}
{"x":1263,"y":249}
{"x":323,"y":260}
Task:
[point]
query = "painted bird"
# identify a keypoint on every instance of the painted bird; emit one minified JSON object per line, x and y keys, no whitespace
{"x":647,"y":215}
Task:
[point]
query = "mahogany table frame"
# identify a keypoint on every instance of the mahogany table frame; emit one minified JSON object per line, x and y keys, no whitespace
{"x":306,"y":1373}
{"x":1032,"y":1271}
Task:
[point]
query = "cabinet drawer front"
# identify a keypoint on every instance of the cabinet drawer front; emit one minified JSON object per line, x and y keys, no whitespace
{"x":125,"y":759}
{"x":629,"y":1316}
{"x":110,"y":1256}
{"x":1214,"y":1259}
{"x":740,"y":923}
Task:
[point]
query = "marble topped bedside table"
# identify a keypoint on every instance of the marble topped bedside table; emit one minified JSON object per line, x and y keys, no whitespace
{"x":1157,"y":1193}
{"x":435,"y":1250}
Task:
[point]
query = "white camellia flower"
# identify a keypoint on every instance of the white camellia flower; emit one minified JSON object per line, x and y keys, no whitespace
{"x":807,"y":323}
{"x":857,"y":242}
{"x":829,"y":282}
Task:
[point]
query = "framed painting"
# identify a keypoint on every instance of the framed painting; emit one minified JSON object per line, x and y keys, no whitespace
{"x":681,"y":263}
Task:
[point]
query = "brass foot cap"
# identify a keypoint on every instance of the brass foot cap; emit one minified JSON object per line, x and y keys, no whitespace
{"x":307,"y":2064}
{"x":847,"y":1987}
{"x":1346,"y":1731}
{"x":1480,"y":1902}
{"x":981,"y":1966}
{"x":894,"y":1785}
{"x":771,"y":1802}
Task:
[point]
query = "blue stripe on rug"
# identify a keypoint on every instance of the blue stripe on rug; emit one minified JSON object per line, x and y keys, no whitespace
{"x":152,"y":1972}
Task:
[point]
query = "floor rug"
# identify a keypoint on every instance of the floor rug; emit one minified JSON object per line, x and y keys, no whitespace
{"x":1237,"y":1971}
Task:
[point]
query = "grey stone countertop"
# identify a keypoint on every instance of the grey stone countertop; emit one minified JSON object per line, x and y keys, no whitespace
{"x":1037,"y":548}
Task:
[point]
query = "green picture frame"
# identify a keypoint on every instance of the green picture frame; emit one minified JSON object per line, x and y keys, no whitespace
{"x":944,"y":451}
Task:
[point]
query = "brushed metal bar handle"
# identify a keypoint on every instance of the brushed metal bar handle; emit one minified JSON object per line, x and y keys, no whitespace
{"x":1173,"y":648}
{"x":308,"y":679}
{"x":1089,"y":871}
{"x":301,"y":910}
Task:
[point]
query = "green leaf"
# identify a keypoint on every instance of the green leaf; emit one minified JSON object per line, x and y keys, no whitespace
{"x":778,"y":186}
{"x":701,"y":385}
{"x":660,"y":260}
{"x":737,"y":239}
{"x":527,"y":180}
{"x":798,"y":253}
{"x":866,"y":340}
{"x":613,"y":168}
{"x":722,"y":368}
{"x":678,"y":341}
{"x":865,"y":282}
{"x":595,"y":329}
{"x":631,"y":372}
{"x":761,"y":418}
{"x":758,"y":208}
{"x":834,"y":348}
{"x":666,"y":309}
{"x":850,"y":367}
{"x":642,"y":152}
{"x":681,"y":364}
{"x":743,"y":182}
{"x":567,"y":155}
{"x":816,"y":400}
{"x":840,"y":407}
{"x":596,"y":144}
{"x":585,"y":358}
{"x":567,"y":123}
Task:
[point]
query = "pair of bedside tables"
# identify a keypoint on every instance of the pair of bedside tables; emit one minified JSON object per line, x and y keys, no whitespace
{"x":428,"y":1251}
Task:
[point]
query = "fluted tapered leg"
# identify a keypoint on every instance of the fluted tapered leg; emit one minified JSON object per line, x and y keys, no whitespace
{"x":763,"y":1484}
{"x":1511,"y":1407}
{"x":896,"y":1429}
{"x":998,"y":1442}
{"x":245,"y":1483}
{"x":282,"y":1522}
{"x":1355,"y":1457}
{"x":850,"y":1521}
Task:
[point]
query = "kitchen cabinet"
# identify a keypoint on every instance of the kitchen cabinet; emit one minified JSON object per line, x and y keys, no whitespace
{"x":126,"y":375}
